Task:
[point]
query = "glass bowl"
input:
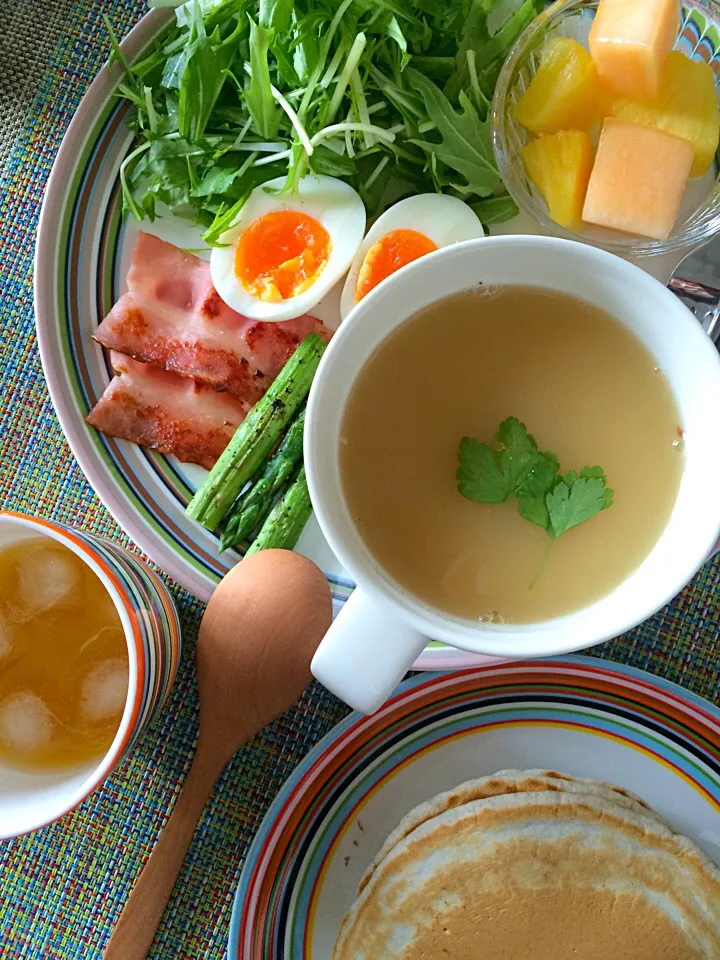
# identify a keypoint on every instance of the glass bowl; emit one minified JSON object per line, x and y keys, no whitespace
{"x":699,"y":217}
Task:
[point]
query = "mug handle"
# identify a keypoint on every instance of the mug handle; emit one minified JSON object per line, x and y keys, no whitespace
{"x":366,"y":653}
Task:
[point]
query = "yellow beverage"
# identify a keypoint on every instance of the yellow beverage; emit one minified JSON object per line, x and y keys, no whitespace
{"x":63,"y":658}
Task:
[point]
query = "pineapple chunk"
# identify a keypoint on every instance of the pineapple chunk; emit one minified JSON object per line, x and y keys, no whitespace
{"x":629,"y":42}
{"x":638,"y":180}
{"x":560,"y":165}
{"x":686,"y":106}
{"x":563,"y":93}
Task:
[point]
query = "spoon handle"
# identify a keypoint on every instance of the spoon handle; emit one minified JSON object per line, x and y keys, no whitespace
{"x":135,"y":929}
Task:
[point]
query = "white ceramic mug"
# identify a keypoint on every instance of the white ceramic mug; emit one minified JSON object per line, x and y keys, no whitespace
{"x":383,"y":628}
{"x":30,"y":799}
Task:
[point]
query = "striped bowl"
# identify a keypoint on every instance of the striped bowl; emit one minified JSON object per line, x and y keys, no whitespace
{"x":29,"y":800}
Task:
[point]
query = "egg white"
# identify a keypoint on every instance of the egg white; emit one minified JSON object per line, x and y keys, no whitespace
{"x":331,"y":202}
{"x":444,"y":220}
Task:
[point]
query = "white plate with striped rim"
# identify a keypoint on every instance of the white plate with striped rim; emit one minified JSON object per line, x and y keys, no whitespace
{"x":83,"y":253}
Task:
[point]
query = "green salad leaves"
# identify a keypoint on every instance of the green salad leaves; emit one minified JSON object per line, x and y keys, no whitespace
{"x":391,"y":96}
{"x":514,"y":467}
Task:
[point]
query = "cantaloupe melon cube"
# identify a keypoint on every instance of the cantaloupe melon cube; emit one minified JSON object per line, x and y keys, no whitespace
{"x":629,"y":42}
{"x":638,"y":179}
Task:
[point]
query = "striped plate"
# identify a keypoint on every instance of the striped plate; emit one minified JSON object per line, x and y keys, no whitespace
{"x":575,"y":714}
{"x":83,"y":251}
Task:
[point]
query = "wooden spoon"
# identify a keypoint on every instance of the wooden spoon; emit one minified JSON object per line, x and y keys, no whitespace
{"x":257,"y":638}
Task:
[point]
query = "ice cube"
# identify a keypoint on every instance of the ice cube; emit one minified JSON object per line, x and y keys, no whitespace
{"x":45,"y":578}
{"x":25,"y":722}
{"x":104,"y":689}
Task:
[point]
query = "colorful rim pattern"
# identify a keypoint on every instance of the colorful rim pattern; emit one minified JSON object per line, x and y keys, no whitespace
{"x":155,"y":622}
{"x":276,"y":903}
{"x":152,"y":631}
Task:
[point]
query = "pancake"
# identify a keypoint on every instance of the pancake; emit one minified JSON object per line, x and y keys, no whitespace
{"x":503,"y":782}
{"x":543,"y":875}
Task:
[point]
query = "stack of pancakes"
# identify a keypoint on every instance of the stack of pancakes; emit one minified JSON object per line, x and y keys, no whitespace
{"x":535,"y":865}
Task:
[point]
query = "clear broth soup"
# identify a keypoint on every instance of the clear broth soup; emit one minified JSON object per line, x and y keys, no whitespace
{"x":584,"y":386}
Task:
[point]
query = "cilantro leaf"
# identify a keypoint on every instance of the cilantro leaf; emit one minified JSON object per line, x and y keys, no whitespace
{"x":515,"y":467}
{"x":589,"y":472}
{"x":517,"y":449}
{"x":575,"y":499}
{"x":540,"y":476}
{"x":479,"y":477}
{"x":533,"y":491}
{"x":528,"y":470}
{"x":519,"y":459}
{"x":533,"y":507}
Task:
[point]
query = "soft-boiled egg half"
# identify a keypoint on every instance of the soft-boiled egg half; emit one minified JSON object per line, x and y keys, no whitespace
{"x":407,"y":230}
{"x":285,"y":251}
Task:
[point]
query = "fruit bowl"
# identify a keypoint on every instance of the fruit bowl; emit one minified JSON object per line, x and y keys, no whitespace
{"x":699,"y":217}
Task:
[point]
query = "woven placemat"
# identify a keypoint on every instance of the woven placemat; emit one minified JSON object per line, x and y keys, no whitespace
{"x":61,"y":889}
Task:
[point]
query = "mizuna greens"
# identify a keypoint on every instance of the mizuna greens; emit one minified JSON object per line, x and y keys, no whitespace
{"x":390,"y":95}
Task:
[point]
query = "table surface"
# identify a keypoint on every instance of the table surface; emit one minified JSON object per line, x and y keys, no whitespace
{"x":62,"y":888}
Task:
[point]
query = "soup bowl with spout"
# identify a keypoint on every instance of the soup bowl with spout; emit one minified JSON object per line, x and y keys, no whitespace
{"x":383,"y":626}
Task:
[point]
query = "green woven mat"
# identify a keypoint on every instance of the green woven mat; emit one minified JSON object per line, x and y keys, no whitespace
{"x":61,"y":889}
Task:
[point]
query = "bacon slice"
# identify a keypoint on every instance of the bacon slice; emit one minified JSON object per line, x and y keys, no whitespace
{"x":166,"y":412}
{"x":173,"y":317}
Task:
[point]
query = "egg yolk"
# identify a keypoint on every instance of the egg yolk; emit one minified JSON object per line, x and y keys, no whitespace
{"x":388,"y":254}
{"x":281,"y":254}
